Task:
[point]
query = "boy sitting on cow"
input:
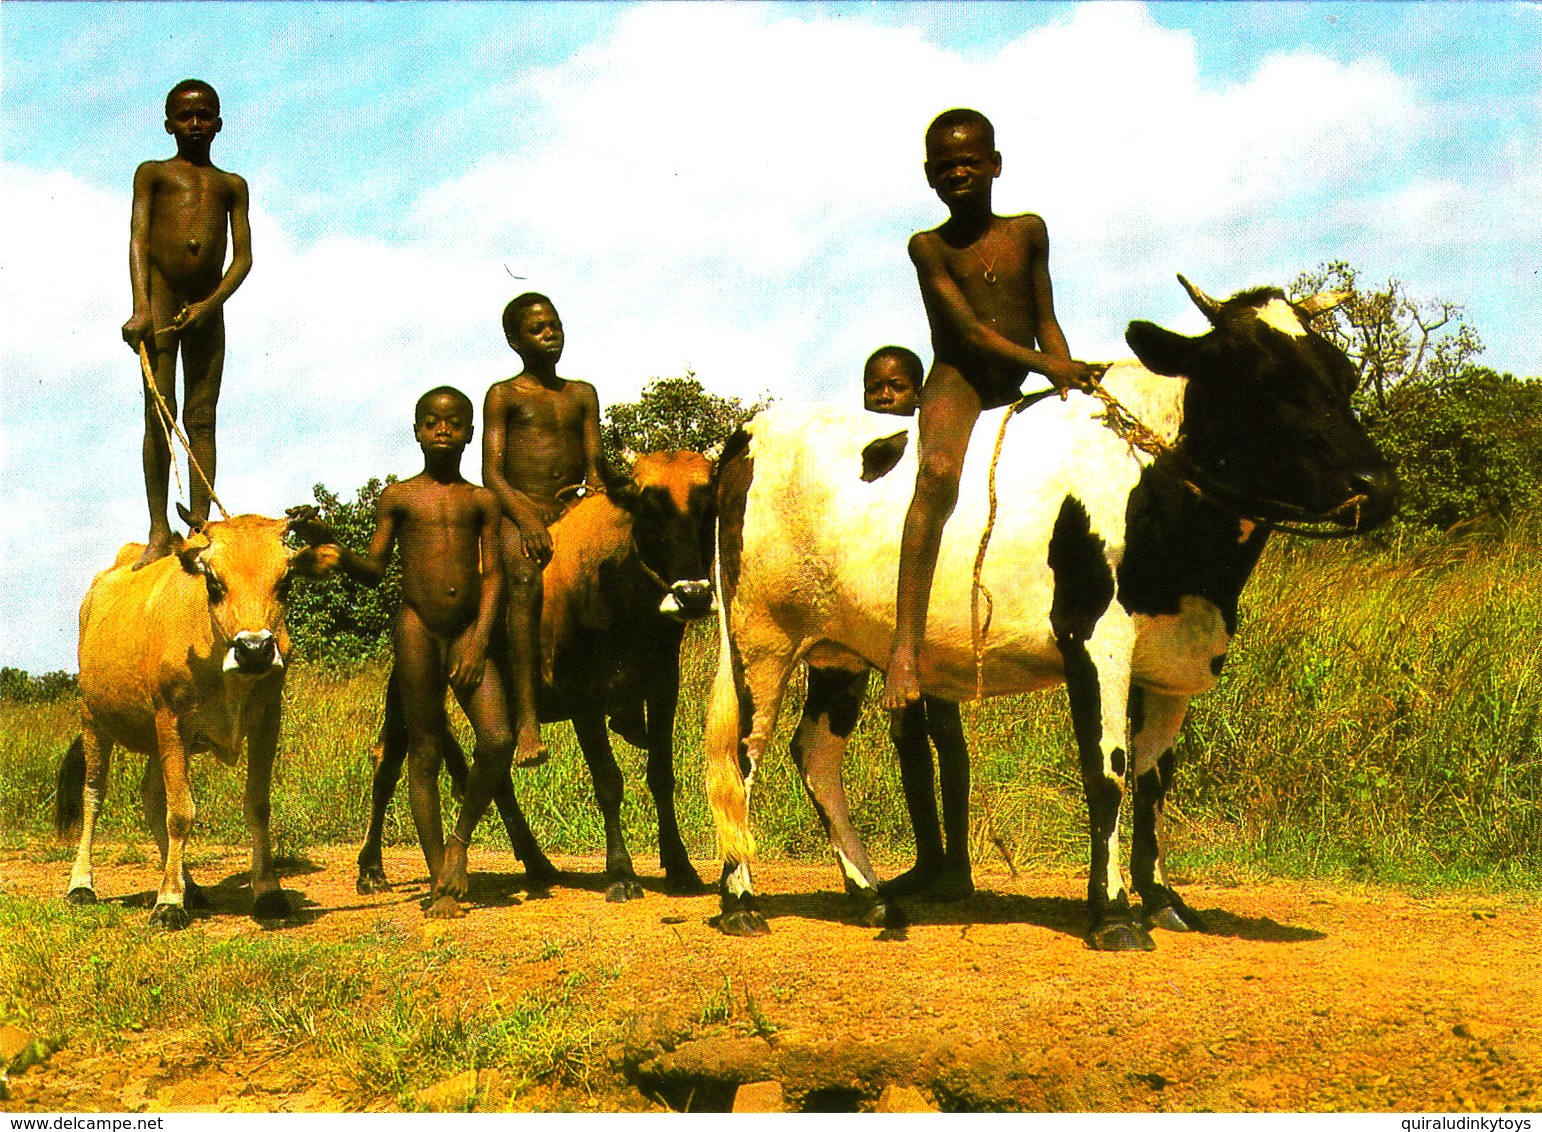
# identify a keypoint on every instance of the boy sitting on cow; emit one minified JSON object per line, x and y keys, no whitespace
{"x":986,"y":288}
{"x":452,"y":584}
{"x":540,"y":448}
{"x":891,"y":383}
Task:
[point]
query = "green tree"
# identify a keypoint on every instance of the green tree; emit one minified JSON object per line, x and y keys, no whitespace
{"x":673,"y":412}
{"x":340,"y":620}
{"x":1464,"y":439}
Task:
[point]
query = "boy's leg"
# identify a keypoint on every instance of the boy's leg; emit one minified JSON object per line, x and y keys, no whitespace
{"x":203,"y":364}
{"x":907,"y":728}
{"x":488,"y":712}
{"x":523,"y":579}
{"x":949,"y":408}
{"x":947,"y":735}
{"x":420,"y":676}
{"x":156,"y":454}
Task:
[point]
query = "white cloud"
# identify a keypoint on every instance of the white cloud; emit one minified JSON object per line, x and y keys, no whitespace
{"x":715,"y":186}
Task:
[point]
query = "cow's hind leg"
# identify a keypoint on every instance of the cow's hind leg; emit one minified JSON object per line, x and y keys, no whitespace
{"x":1155,"y":720}
{"x":1096,"y":641}
{"x":829,"y":714}
{"x":608,"y":787}
{"x":82,"y":781}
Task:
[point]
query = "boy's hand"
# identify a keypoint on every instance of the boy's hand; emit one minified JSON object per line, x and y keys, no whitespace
{"x":190,"y":316}
{"x":305,"y":521}
{"x":137,"y":329}
{"x":1067,"y":374}
{"x":533,"y":535}
{"x":466,"y":672}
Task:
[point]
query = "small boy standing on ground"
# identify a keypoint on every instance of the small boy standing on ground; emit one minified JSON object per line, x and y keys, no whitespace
{"x":452,"y":584}
{"x":891,"y":383}
{"x":541,"y":440}
{"x":183,"y":207}
{"x":986,"y":288}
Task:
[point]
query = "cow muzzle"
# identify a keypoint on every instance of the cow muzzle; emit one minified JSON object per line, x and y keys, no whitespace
{"x":253,"y":654}
{"x":688,"y":601}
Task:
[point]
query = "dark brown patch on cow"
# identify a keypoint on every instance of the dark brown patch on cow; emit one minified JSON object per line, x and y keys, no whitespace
{"x":880,"y":456}
{"x":1217,"y":663}
{"x":735,"y":470}
{"x":1116,"y":761}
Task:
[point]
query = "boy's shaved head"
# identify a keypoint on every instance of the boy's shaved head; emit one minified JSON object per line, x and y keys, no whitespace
{"x":192,"y":84}
{"x":905,"y":358}
{"x":960,"y":117}
{"x":518,"y":306}
{"x":443,"y":391}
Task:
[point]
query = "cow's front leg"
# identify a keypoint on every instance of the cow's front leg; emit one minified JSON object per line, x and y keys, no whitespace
{"x":1096,"y":641}
{"x":1155,"y":720}
{"x":595,"y":742}
{"x":268,"y":901}
{"x":818,"y":746}
{"x":170,"y":909}
{"x":680,"y":875}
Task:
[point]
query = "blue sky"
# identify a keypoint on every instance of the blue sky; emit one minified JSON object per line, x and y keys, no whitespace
{"x":725,"y":188}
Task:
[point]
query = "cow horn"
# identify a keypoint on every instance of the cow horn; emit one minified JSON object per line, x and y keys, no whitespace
{"x":1322,"y":302}
{"x":1204,"y":302}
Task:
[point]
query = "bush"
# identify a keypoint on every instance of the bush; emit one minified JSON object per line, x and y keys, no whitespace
{"x":340,"y":620}
{"x":17,"y":686}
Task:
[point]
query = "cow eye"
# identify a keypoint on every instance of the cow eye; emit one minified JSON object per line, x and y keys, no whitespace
{"x":216,"y":587}
{"x":284,"y":585}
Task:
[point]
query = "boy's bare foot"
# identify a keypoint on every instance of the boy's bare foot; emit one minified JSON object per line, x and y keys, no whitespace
{"x":452,"y":880}
{"x":158,"y":547}
{"x":901,"y":685}
{"x":529,"y":751}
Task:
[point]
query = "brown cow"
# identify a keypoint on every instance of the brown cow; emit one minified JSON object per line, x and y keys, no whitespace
{"x":182,"y":656}
{"x":628,"y":570}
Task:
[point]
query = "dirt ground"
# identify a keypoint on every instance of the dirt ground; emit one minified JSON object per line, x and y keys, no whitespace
{"x":1298,"y":997}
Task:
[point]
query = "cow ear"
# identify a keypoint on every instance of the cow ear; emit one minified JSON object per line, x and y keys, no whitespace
{"x":188,"y":553}
{"x":625,"y":495}
{"x":1160,"y":350}
{"x":315,"y":561}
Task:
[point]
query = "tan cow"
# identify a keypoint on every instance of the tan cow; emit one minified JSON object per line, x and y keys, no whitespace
{"x":182,"y":656}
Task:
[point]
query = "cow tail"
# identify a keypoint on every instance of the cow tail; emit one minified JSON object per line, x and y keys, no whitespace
{"x":70,"y":789}
{"x":726,"y":788}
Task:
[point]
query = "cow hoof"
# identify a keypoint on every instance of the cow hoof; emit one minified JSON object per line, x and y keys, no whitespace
{"x":1120,"y":935}
{"x":444,"y":907}
{"x":745,"y":922}
{"x":81,"y":896}
{"x":372,"y":880}
{"x":170,"y":917}
{"x":1175,"y":917}
{"x":271,"y":905}
{"x":883,"y":914}
{"x":623,"y":890}
{"x":683,"y":880}
{"x":540,"y":874}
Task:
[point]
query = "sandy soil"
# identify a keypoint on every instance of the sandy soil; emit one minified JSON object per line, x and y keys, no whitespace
{"x":1299,"y":997}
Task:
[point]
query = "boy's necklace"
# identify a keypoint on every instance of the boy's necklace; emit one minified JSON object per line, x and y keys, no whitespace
{"x":990,"y":266}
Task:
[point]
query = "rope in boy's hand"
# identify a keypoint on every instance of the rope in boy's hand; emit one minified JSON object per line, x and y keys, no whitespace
{"x":168,"y":424}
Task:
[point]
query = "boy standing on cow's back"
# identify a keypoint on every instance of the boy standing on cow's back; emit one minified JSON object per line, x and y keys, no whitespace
{"x":452,"y":586}
{"x":183,"y":207}
{"x":541,"y":441}
{"x":891,"y":383}
{"x":986,"y":288}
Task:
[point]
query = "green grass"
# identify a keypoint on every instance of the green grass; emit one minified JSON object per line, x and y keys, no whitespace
{"x":1380,"y":717}
{"x":91,"y":977}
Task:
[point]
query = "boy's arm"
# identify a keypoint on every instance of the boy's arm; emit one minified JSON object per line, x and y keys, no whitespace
{"x":514,"y":504}
{"x":468,"y":669}
{"x":944,"y":302}
{"x":370,"y":567}
{"x":240,"y":258}
{"x":138,"y":327}
{"x":594,"y":447}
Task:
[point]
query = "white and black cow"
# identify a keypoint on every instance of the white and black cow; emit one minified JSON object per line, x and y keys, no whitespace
{"x":1107,"y":568}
